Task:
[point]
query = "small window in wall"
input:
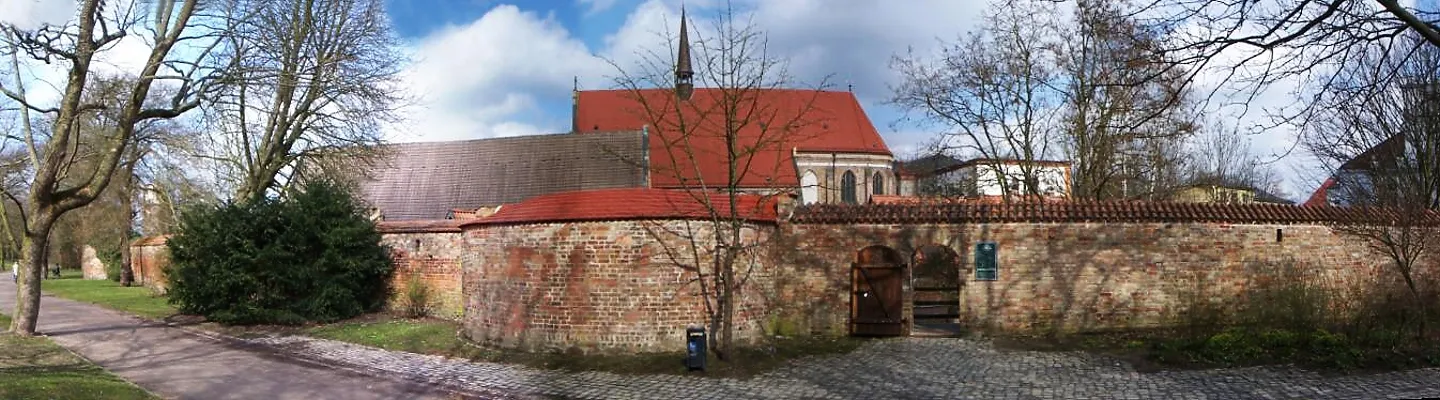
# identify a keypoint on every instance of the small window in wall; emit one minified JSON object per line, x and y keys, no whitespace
{"x":809,"y":188}
{"x":847,"y":188}
{"x":878,"y":183}
{"x":416,"y":248}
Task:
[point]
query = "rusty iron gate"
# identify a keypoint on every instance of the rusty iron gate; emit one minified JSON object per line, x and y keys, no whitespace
{"x":877,"y":299}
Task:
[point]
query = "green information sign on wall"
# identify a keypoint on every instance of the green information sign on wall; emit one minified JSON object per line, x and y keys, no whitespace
{"x":986,"y":266}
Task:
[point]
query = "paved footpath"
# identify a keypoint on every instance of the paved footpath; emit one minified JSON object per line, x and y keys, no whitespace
{"x":908,"y":368}
{"x":174,"y":363}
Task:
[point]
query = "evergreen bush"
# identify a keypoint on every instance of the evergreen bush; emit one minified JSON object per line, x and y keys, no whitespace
{"x":310,"y":257}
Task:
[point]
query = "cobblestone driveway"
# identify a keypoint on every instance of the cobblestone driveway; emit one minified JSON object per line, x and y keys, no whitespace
{"x":910,"y":368}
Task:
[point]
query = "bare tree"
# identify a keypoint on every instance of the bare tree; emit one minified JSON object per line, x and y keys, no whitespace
{"x":994,"y":91}
{"x":56,"y":187}
{"x":1223,"y":156}
{"x":310,"y":76}
{"x":1382,"y":142}
{"x":1246,"y":47}
{"x":732,"y":119}
{"x":1121,"y":107}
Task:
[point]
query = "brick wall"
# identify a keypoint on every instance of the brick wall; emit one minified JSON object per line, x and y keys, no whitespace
{"x":433,"y":258}
{"x":1074,"y":276}
{"x":595,"y":286}
{"x":147,"y":262}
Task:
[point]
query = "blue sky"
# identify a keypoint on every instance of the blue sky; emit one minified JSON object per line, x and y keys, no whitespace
{"x":490,"y":68}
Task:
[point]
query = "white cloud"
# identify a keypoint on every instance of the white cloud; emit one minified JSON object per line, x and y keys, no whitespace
{"x":493,"y":76}
{"x":476,"y":80}
{"x":30,"y":14}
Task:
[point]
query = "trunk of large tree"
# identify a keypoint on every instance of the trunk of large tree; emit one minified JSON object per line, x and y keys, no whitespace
{"x":127,"y":203}
{"x":32,"y":267}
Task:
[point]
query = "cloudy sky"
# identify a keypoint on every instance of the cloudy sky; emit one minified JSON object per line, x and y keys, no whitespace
{"x":485,"y":68}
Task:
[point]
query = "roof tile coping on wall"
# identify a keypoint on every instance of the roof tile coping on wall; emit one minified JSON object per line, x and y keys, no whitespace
{"x":419,"y":226}
{"x":628,"y":204}
{"x":1117,"y":211}
{"x":157,"y":240}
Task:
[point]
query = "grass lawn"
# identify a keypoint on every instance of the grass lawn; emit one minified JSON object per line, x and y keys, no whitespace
{"x":107,"y":293}
{"x":36,"y":368}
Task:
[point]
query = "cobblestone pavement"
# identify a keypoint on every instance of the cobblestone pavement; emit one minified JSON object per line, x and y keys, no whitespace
{"x":909,"y":368}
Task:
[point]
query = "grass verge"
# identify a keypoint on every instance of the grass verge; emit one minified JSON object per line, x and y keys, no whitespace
{"x":745,"y":362}
{"x":1317,"y":349}
{"x":424,"y":336}
{"x":438,"y":337}
{"x":109,"y":294}
{"x":36,"y":368}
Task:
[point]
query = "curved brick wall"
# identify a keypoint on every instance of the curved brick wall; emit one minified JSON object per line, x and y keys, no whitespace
{"x":595,"y":286}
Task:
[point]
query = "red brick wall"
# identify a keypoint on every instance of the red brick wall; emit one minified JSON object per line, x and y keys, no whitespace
{"x":1082,"y":276}
{"x":147,"y":263}
{"x":434,"y":258}
{"x":595,"y":286}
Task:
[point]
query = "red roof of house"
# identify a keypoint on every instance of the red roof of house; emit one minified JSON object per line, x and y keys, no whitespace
{"x":625,"y":204}
{"x":1321,"y":195}
{"x":820,"y":121}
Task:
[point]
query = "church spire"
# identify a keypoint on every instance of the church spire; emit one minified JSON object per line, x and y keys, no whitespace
{"x":684,"y":76}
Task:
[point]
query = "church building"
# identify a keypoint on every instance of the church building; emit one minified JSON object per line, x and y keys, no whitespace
{"x":817,"y":145}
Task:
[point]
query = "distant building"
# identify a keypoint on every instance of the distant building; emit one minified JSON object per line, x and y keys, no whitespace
{"x":1353,"y":178}
{"x":1227,"y":194}
{"x":944,"y":176}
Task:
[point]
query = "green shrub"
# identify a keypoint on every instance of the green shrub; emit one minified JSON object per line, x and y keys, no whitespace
{"x":111,"y":260}
{"x":417,"y":298}
{"x":310,"y":257}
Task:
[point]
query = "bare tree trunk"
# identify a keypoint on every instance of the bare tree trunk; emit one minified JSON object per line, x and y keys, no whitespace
{"x":127,"y":205}
{"x":32,"y":267}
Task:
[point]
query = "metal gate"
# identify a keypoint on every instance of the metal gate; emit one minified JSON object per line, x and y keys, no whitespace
{"x":877,"y":296}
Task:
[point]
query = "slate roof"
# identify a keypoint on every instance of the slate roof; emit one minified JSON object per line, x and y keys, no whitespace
{"x":419,"y":226}
{"x":427,"y":180}
{"x":626,"y":204}
{"x":927,"y":165}
{"x":1391,"y":147}
{"x":1118,"y":211}
{"x":823,"y":121}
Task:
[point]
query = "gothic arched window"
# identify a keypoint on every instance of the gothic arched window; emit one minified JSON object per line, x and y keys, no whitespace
{"x":809,"y":188}
{"x":877,"y":184}
{"x":847,"y":188}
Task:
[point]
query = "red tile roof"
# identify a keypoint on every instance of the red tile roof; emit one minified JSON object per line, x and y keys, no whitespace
{"x":895,"y":199}
{"x":1093,"y":212}
{"x":824,"y":121}
{"x":1321,"y":195}
{"x":419,"y":226}
{"x":624,"y":204}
